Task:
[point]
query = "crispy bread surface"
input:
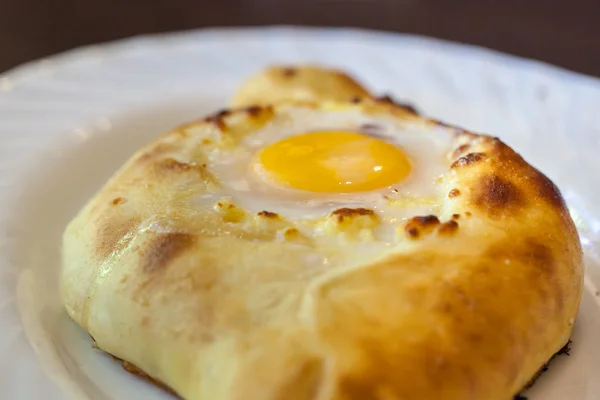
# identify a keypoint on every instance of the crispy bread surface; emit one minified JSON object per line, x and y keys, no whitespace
{"x":216,"y":305}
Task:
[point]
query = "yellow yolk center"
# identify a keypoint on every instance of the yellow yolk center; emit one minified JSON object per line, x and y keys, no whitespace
{"x":334,"y":162}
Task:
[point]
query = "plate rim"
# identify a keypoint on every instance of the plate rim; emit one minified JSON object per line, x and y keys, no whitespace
{"x":30,"y":71}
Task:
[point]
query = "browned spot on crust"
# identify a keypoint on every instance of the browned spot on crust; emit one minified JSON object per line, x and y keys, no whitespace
{"x":163,"y":249}
{"x":254,"y":111}
{"x":206,"y":141}
{"x":170,"y":164}
{"x":455,"y":216}
{"x":537,"y":254}
{"x":145,"y":321}
{"x":460,"y":150}
{"x":540,"y":262}
{"x":468,"y":213}
{"x":113,"y":235}
{"x":155,"y":152}
{"x":385,"y":99}
{"x":448,"y":228}
{"x":289,"y":72}
{"x":547,"y":190}
{"x":291,"y":234}
{"x":356,"y":100}
{"x":536,"y":184}
{"x":454,"y":193}
{"x":469,"y":159}
{"x":268,"y":214}
{"x":119,"y":200}
{"x":404,"y":106}
{"x":219,"y":119}
{"x":342,"y":213}
{"x":496,"y":194}
{"x":420,"y":225}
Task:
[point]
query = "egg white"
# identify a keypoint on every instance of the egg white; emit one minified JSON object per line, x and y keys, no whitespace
{"x":426,"y":147}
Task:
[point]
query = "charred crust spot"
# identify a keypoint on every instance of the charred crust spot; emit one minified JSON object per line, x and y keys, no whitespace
{"x":254,"y":111}
{"x":455,"y":216}
{"x":454,"y":193}
{"x":412,"y":231}
{"x":469,"y":159}
{"x":219,"y":119}
{"x":408,"y":107}
{"x":448,"y":228}
{"x":460,"y":150}
{"x":164,"y":249}
{"x":427,"y":220}
{"x":342,"y":213}
{"x":387,"y":99}
{"x":225,"y":206}
{"x":566,"y":350}
{"x":543,"y":369}
{"x":119,"y":200}
{"x":223,"y":113}
{"x":423,"y":224}
{"x":356,"y":100}
{"x":496,"y":194}
{"x":229,"y":211}
{"x":170,"y":164}
{"x":268,"y":214}
{"x":289,"y":72}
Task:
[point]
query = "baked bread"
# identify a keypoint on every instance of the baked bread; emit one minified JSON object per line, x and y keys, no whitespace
{"x":297,"y":83}
{"x":217,"y":300}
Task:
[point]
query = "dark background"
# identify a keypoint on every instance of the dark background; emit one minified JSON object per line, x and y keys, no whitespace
{"x":565,"y":33}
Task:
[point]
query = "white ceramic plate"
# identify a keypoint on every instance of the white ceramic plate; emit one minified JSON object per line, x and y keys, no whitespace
{"x":68,"y":122}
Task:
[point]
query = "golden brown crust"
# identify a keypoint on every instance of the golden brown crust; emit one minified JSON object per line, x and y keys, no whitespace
{"x":300,"y":83}
{"x":217,"y":302}
{"x":163,"y":249}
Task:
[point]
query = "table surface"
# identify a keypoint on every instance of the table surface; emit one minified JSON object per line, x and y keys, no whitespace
{"x":565,"y":33}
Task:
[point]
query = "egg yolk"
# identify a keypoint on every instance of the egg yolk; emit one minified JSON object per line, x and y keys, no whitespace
{"x":334,"y":162}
